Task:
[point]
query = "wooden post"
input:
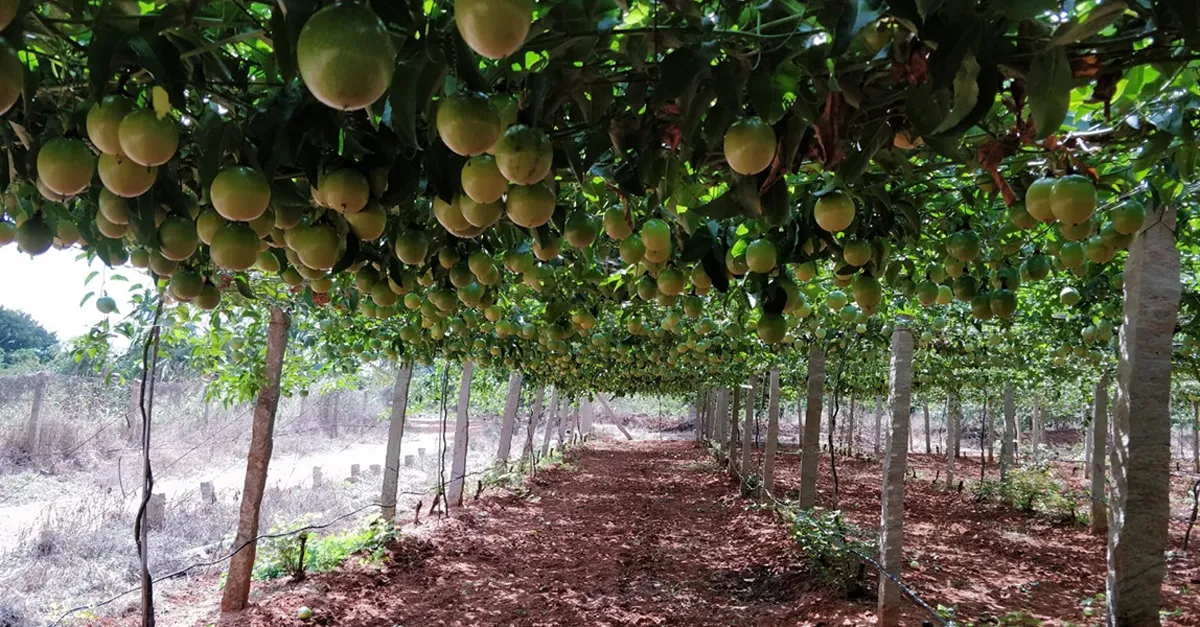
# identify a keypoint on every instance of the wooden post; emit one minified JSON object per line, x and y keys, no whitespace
{"x":731,"y":463}
{"x":1099,"y":515}
{"x":410,"y":461}
{"x":318,"y":479}
{"x":1141,"y":464}
{"x":458,"y":466}
{"x":812,"y":428}
{"x":768,"y":484}
{"x":928,"y":442}
{"x":237,"y":585}
{"x":156,"y":510}
{"x":509,"y":421}
{"x":891,"y":538}
{"x":207,"y":493}
{"x":391,"y":457}
{"x":33,"y":434}
{"x":748,"y":427}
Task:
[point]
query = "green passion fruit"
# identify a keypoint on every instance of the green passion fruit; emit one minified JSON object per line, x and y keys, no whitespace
{"x":857,"y":252}
{"x":65,"y":165}
{"x":110,"y":229}
{"x":345,"y":190}
{"x":480,"y":214}
{"x":12,"y":76}
{"x":368,"y":224}
{"x":318,"y":246}
{"x":123,"y":177}
{"x":346,"y":56}
{"x":113,"y":207}
{"x":1037,"y":200}
{"x":530,"y":206}
{"x":481,"y":179}
{"x":494,"y":28}
{"x":34,"y":236}
{"x":467,"y":124}
{"x":177,"y":238}
{"x":834,"y":211}
{"x":147,"y":139}
{"x":761,"y":256}
{"x":1073,"y":199}
{"x":240,"y":193}
{"x":1128,"y":217}
{"x":749,"y":145}
{"x":104,"y":123}
{"x":616,"y":223}
{"x":524,"y":154}
{"x":186,"y":285}
{"x":235,"y":246}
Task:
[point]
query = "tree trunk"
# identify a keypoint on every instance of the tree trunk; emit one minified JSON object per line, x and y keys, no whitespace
{"x":768,"y":484}
{"x":812,"y":428}
{"x":850,"y":426}
{"x":1088,"y":441}
{"x":462,"y":426}
{"x":721,"y":422}
{"x":928,"y":443}
{"x":535,"y":414}
{"x":1196,"y":435}
{"x":588,"y":416}
{"x":564,"y":414}
{"x":1099,"y":517}
{"x":550,"y":420}
{"x":237,"y":583}
{"x":1142,"y":425}
{"x":1008,"y":445}
{"x":987,"y":436}
{"x":747,"y":425}
{"x":878,"y":421}
{"x":391,"y":459}
{"x":951,"y":437}
{"x":33,"y":433}
{"x":510,"y":417}
{"x":895,"y":465}
{"x":1039,"y":434}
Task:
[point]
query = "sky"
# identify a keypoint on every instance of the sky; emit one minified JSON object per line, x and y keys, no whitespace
{"x":49,"y":288}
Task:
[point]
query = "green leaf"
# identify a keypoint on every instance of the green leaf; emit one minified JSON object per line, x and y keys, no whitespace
{"x":101,"y":48}
{"x":285,"y":54}
{"x":243,"y":287}
{"x":855,"y":16}
{"x":1097,"y":20}
{"x":966,"y":94}
{"x":1049,"y":90}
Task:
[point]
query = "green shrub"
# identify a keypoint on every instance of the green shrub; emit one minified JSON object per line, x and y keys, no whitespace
{"x":831,"y":548}
{"x":1032,"y":487}
{"x":280,"y":557}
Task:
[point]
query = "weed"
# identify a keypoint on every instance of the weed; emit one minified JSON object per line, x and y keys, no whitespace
{"x":280,"y":557}
{"x":831,"y":548}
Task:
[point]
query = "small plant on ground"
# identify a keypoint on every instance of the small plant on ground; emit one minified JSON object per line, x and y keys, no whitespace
{"x":751,"y":485}
{"x":1032,"y":487}
{"x":832,"y":548}
{"x":294,"y":555}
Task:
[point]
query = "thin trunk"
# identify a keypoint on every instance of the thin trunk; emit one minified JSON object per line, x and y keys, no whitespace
{"x":747,"y":423}
{"x":987,"y":436}
{"x":1008,"y":444}
{"x":812,"y":428}
{"x":1142,"y":424}
{"x":895,"y":465}
{"x":1196,"y":435}
{"x":535,"y":414}
{"x":951,"y":438}
{"x":928,"y":443}
{"x":1099,"y":517}
{"x":731,"y":441}
{"x":391,"y":458}
{"x":510,"y":418}
{"x":768,"y":484}
{"x":550,"y":420}
{"x":564,"y":415}
{"x":850,"y":426}
{"x":878,"y":423}
{"x":462,"y":424}
{"x":237,"y":583}
{"x":1088,"y":441}
{"x":1039,"y":434}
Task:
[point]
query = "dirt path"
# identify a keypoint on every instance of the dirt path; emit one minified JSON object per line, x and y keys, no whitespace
{"x":639,"y":534}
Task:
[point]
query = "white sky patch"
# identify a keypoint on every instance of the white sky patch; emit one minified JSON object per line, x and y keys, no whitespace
{"x":50,"y":286}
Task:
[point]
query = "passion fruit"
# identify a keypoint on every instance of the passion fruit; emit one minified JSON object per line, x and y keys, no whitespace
{"x":121,"y":176}
{"x":749,"y":145}
{"x":530,"y":206}
{"x":867,"y":292}
{"x":235,"y":246}
{"x":104,"y":123}
{"x":494,"y":28}
{"x":345,"y":190}
{"x":467,"y":124}
{"x":177,"y":238}
{"x":480,"y":214}
{"x":318,"y":246}
{"x":482,"y":180}
{"x":146,"y":139}
{"x":857,"y":252}
{"x":1073,"y":199}
{"x":761,"y":256}
{"x":412,"y":247}
{"x":834,"y":211}
{"x":106,"y":304}
{"x":772,"y":328}
{"x":34,"y":236}
{"x":346,"y":56}
{"x":65,"y":165}
{"x":1128,"y":217}
{"x":1037,"y":200}
{"x":581,"y":229}
{"x":368,"y":225}
{"x":12,"y":75}
{"x":209,"y":298}
{"x":450,"y":215}
{"x":524,"y":154}
{"x":8,"y":233}
{"x":632,"y":250}
{"x":186,"y":285}
{"x":240,"y":193}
